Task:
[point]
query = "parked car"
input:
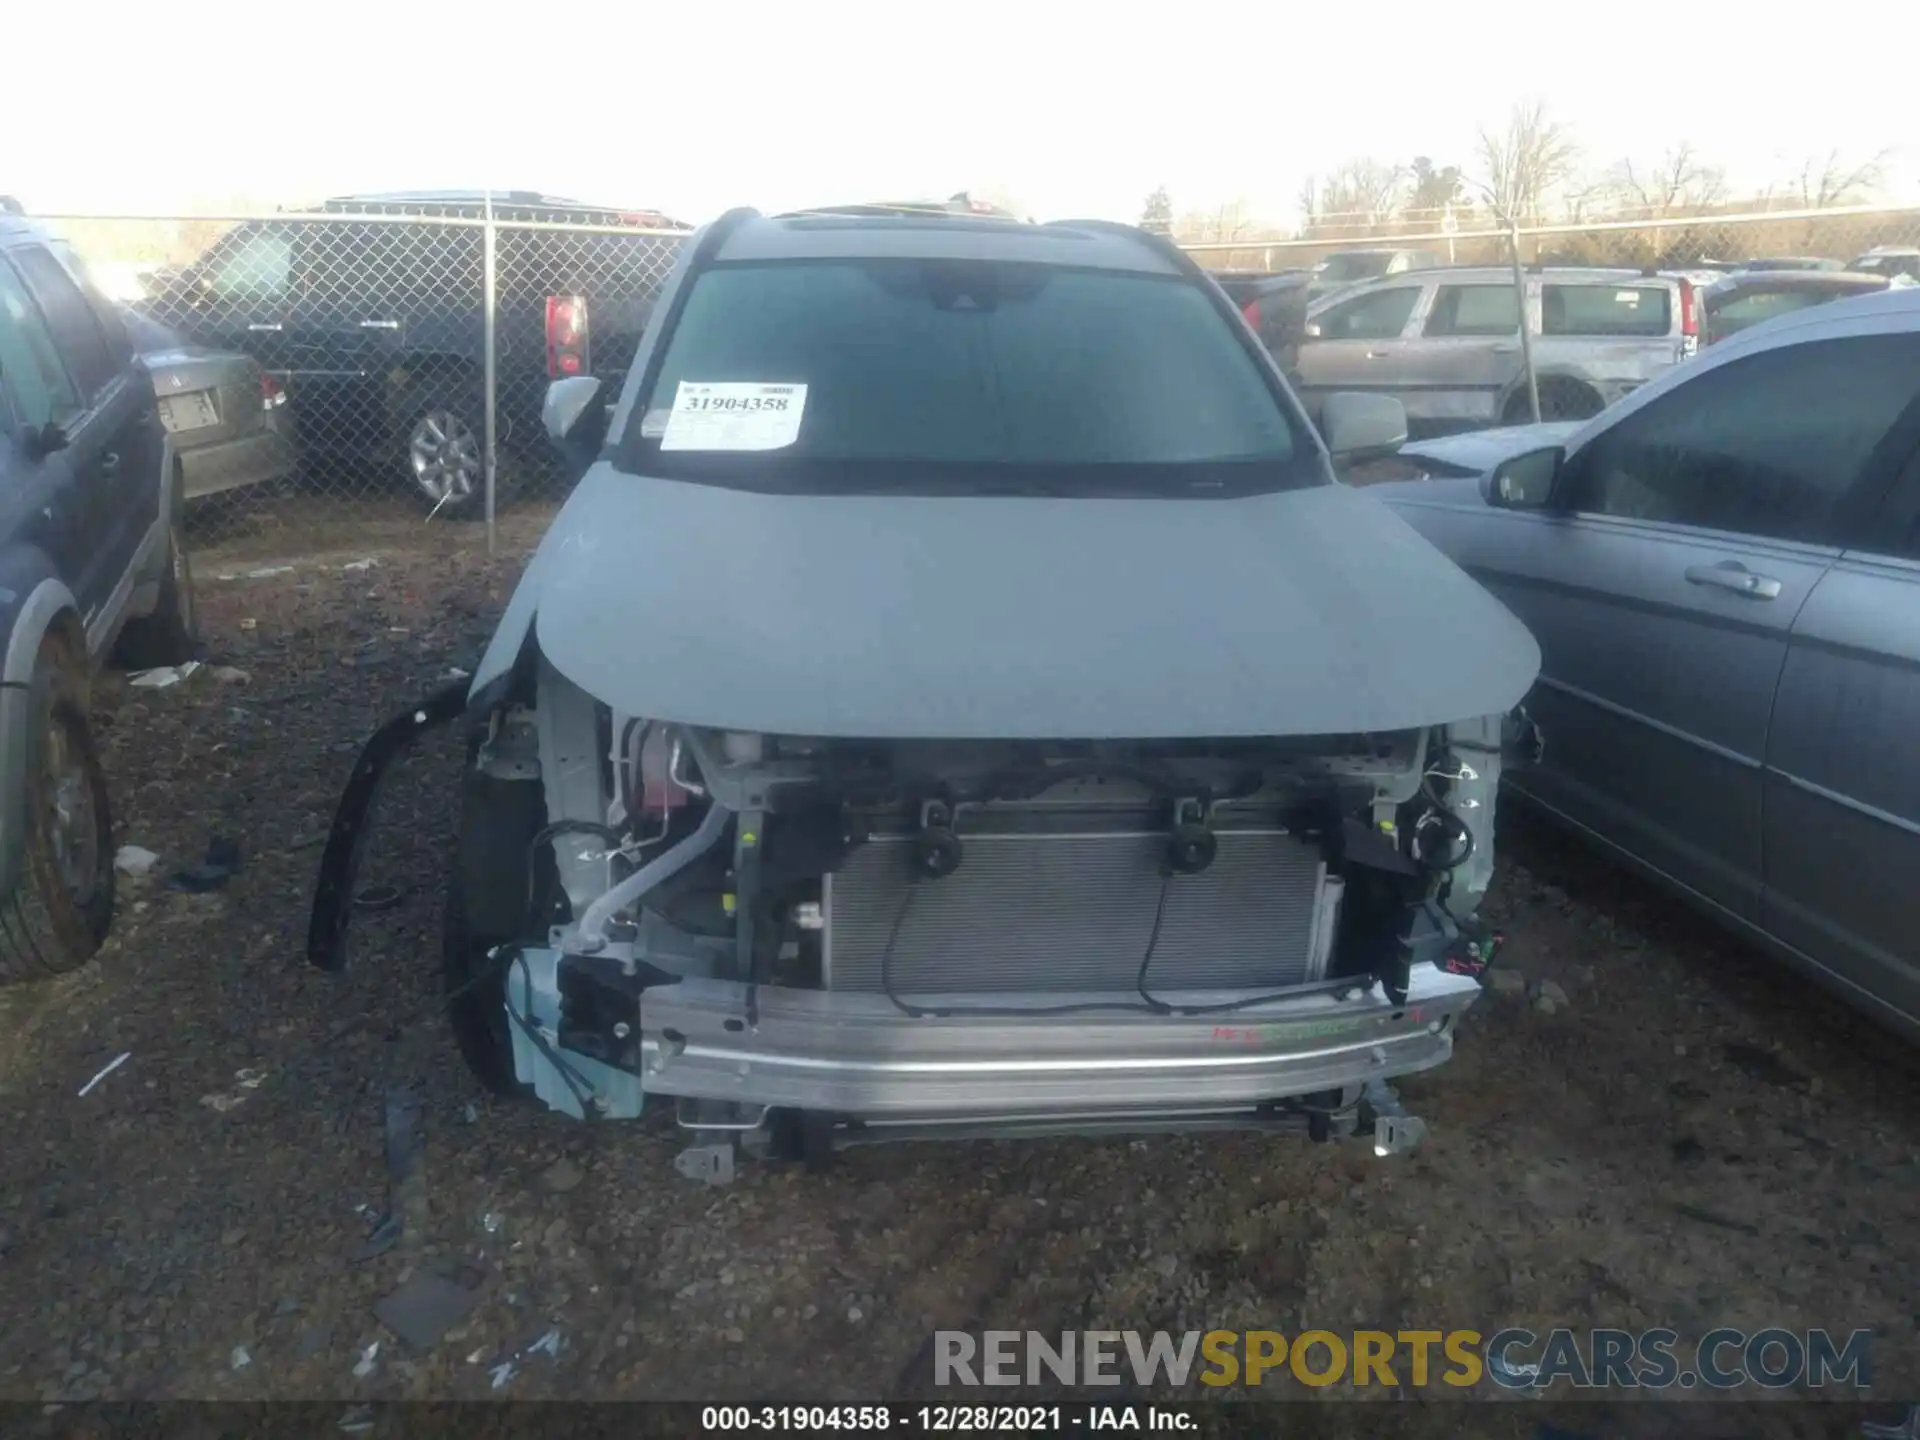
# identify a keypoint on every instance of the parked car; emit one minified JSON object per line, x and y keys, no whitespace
{"x":224,"y":414}
{"x":1889,"y":260}
{"x":376,"y":326}
{"x":1792,"y":262}
{"x":1004,"y":725}
{"x":1350,"y":267}
{"x":1723,"y":573}
{"x":1274,"y":303}
{"x":1738,"y":301}
{"x":1446,"y":342}
{"x":89,"y":555}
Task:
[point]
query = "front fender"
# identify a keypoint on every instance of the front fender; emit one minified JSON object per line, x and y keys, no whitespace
{"x":32,"y":602}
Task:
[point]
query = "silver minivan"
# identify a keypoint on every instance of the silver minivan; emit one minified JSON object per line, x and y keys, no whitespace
{"x":1446,"y":341}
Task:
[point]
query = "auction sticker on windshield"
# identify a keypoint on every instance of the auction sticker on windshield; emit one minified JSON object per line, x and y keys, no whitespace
{"x":733,"y":415}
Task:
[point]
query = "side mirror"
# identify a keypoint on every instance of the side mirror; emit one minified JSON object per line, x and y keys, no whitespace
{"x":1524,"y":482}
{"x":1357,"y":425}
{"x":566,"y":404}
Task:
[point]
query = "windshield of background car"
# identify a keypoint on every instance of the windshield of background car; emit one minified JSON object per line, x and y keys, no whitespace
{"x":971,"y":377}
{"x":1342,"y":269}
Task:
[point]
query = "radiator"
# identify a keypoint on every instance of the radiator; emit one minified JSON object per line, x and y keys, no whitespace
{"x":1075,"y":912}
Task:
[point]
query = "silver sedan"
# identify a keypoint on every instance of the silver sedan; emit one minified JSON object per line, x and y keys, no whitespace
{"x":225,"y":415}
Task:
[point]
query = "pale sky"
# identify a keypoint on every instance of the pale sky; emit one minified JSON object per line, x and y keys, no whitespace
{"x":1070,"y":109}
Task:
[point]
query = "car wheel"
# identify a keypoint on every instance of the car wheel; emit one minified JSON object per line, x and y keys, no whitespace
{"x":61,"y":906}
{"x":171,"y":634}
{"x":490,"y":908}
{"x":446,"y":454}
{"x":1560,"y":399}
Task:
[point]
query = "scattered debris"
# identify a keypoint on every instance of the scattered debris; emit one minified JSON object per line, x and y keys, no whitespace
{"x":230,"y":675}
{"x":368,"y":1362}
{"x":470,"y":1114}
{"x":241,"y":1359}
{"x":1713,"y":1217}
{"x":426,"y":1306}
{"x":249,"y":623}
{"x":134,"y":860}
{"x":378,"y":897}
{"x":491,"y":1222}
{"x":356,"y":1420}
{"x":406,"y":1186}
{"x":1551,"y":991}
{"x":456,"y":673}
{"x":221,"y":865}
{"x":245,"y":1081}
{"x":502,"y":1373}
{"x":111,"y":1066}
{"x":367,"y":564}
{"x":1764,"y":1066}
{"x":561,"y":1176}
{"x":551,"y":1343}
{"x":267,"y":572}
{"x":163,"y":676}
{"x":1505,"y":982}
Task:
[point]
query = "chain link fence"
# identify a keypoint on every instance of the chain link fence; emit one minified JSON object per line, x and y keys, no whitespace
{"x":413,"y":341}
{"x":414,"y":338}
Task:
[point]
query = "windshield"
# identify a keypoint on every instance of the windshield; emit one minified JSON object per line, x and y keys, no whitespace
{"x":961,"y":377}
{"x":1354,"y":265}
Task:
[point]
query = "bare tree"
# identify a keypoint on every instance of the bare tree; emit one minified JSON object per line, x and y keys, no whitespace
{"x":1679,"y":183}
{"x":1829,"y":180}
{"x":1157,"y":216}
{"x":1364,"y":192}
{"x":1527,"y":160}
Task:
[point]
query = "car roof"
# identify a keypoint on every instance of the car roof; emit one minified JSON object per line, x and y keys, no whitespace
{"x":1884,"y":312}
{"x":1796,"y":280}
{"x":1084,"y":245}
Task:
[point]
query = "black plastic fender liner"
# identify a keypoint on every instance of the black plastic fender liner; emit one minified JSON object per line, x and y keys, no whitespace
{"x":347,"y":840}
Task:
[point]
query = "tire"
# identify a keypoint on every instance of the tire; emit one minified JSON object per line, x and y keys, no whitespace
{"x":442,"y":444}
{"x":61,"y":906}
{"x":486,"y":908}
{"x":1560,"y":399}
{"x":171,"y":634}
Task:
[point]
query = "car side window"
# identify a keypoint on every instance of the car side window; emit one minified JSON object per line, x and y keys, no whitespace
{"x":76,"y":329}
{"x":1474,"y":310}
{"x":1606,"y":310}
{"x":1381,"y":315}
{"x":1772,"y":444}
{"x":33,"y":380}
{"x":254,"y":268}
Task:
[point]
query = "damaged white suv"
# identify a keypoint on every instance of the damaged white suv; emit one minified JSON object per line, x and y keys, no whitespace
{"x":958,"y":700}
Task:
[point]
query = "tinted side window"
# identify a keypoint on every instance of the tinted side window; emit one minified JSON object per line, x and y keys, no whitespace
{"x":1605,"y":310}
{"x":1379,"y":316}
{"x":1768,"y":445}
{"x":1736,"y":315}
{"x":1474,"y":310}
{"x":253,"y":267}
{"x":76,"y":329}
{"x":33,"y":382}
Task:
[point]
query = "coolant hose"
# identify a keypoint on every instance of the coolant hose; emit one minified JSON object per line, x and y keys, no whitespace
{"x":659,"y":870}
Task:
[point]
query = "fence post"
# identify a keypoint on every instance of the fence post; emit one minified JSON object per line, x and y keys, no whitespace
{"x":489,"y":378}
{"x":1519,"y":295}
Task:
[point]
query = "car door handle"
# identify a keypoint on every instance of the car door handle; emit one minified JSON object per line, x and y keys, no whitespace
{"x":1507,"y":347}
{"x":1378,"y":354}
{"x":257,"y":326}
{"x":110,"y":462}
{"x":1735,"y":577}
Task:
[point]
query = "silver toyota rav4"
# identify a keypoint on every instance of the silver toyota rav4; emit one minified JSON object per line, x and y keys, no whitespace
{"x":958,"y":700}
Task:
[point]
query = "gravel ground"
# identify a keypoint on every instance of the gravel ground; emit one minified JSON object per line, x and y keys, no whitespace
{"x":1693,"y":1139}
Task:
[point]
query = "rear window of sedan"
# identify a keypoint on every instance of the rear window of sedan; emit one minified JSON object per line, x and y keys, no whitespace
{"x":1624,"y":310}
{"x":974,"y":376}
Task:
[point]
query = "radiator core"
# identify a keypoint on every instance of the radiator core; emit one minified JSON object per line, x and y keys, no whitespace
{"x":1051,"y":912}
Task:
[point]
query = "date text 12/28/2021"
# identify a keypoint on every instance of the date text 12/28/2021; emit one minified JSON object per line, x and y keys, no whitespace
{"x":948,"y":1419}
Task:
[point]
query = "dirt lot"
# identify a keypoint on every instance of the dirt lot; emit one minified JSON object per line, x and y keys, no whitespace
{"x":1695,"y":1139}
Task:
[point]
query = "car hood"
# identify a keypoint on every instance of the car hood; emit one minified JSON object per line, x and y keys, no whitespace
{"x":1481,"y":450}
{"x":1308,"y":612}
